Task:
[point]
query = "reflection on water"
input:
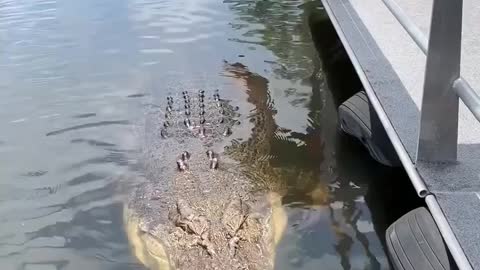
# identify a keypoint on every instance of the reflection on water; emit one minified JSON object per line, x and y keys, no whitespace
{"x":77,"y":76}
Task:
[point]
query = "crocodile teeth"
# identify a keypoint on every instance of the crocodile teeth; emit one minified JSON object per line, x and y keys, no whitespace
{"x":202,"y":120}
{"x":169,"y":108}
{"x":202,"y":112}
{"x":166,"y":124}
{"x":187,"y":112}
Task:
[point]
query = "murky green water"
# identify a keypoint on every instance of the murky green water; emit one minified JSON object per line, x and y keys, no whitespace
{"x":75,"y":80}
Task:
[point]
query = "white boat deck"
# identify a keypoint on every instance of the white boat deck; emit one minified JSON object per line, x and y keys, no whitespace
{"x":392,"y":69}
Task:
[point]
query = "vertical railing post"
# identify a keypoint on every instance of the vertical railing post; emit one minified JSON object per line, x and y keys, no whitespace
{"x":439,"y":113}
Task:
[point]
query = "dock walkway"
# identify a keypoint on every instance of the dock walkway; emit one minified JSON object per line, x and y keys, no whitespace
{"x":392,"y":67}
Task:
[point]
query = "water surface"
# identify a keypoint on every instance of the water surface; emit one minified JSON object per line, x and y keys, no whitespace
{"x":76,"y":78}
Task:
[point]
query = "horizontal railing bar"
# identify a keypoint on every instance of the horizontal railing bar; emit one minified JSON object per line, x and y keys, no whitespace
{"x":468,"y":96}
{"x":464,"y":91}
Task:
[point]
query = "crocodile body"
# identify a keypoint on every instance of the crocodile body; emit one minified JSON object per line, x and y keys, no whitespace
{"x":207,"y":203}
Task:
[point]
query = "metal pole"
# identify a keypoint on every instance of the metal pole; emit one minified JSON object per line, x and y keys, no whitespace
{"x":439,"y":113}
{"x":464,"y":91}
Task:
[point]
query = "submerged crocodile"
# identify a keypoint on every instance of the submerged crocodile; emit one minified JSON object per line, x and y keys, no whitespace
{"x":202,"y":208}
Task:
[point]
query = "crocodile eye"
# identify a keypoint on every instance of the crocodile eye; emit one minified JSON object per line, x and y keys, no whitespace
{"x":214,"y":163}
{"x":210,"y":154}
{"x":181,"y":165}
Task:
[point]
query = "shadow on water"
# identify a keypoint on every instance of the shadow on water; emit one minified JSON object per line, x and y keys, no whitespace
{"x":339,"y":200}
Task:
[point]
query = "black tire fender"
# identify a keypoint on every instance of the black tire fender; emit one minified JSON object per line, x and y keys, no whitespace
{"x":415,"y":243}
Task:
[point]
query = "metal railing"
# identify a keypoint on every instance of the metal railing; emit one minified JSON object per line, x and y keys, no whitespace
{"x":443,"y":84}
{"x":442,"y":88}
